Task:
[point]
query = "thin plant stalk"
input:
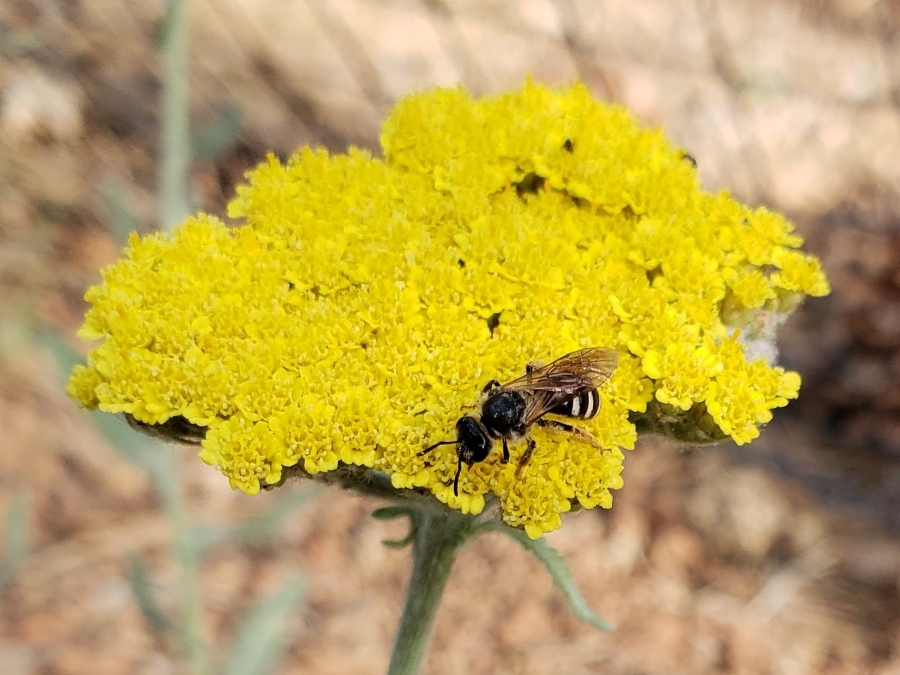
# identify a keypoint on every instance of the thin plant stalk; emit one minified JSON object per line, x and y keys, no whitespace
{"x":437,"y":539}
{"x":174,"y":206}
{"x":186,"y":551}
{"x":175,"y":143}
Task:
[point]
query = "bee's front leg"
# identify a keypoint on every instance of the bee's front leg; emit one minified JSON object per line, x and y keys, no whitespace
{"x":505,"y":459}
{"x":524,"y":459}
{"x":493,"y":384}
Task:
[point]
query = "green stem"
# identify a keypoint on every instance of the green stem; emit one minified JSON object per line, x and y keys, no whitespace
{"x":168,"y":480}
{"x":175,"y":144}
{"x":437,"y":539}
{"x":174,"y":205}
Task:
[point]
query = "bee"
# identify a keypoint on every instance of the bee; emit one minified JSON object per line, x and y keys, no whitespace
{"x":566,"y":387}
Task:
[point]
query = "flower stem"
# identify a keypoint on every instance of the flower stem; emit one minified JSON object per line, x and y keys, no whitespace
{"x":168,"y":481}
{"x":175,"y":146}
{"x":437,"y":539}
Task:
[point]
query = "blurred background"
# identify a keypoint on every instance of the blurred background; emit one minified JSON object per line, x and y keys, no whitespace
{"x":779,"y":557}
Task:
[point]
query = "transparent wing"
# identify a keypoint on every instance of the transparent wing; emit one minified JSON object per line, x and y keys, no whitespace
{"x":552,"y":385}
{"x":575,"y":373}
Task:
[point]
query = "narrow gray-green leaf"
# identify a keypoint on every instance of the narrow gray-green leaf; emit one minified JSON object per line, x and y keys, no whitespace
{"x":561,"y":574}
{"x":15,"y":538}
{"x":142,"y":589}
{"x":134,"y":446}
{"x":261,"y":528}
{"x":260,"y":639}
{"x":123,"y":223}
{"x":219,"y":137}
{"x":13,"y":42}
{"x":66,"y":358}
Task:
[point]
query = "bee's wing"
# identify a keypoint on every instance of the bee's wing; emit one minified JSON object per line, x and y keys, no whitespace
{"x":574,"y":373}
{"x":569,"y":376}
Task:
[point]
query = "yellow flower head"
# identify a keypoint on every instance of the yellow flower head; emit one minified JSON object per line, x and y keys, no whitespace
{"x":361,"y":304}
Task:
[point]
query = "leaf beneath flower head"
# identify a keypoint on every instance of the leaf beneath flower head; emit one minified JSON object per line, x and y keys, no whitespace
{"x":390,"y":513}
{"x":561,"y":573}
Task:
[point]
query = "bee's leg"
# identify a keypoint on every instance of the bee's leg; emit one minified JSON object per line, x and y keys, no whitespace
{"x":569,"y":429}
{"x":432,"y":447}
{"x":493,"y":384}
{"x":505,"y":459}
{"x":523,"y":460}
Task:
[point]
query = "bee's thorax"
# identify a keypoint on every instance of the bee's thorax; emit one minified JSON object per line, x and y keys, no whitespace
{"x":502,"y":413}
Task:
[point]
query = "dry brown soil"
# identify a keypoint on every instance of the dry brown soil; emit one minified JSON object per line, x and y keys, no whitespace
{"x":780,"y":557}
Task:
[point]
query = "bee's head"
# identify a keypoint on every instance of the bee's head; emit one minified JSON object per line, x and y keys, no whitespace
{"x":472,"y":441}
{"x":472,"y":445}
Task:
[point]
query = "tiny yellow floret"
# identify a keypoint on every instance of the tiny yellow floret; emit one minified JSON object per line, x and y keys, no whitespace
{"x":361,"y":304}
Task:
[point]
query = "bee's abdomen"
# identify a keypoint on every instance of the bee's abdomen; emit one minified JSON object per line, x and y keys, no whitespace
{"x":584,"y":406}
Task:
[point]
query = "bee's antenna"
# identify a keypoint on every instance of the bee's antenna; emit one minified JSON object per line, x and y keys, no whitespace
{"x":456,"y":478}
{"x":432,"y":447}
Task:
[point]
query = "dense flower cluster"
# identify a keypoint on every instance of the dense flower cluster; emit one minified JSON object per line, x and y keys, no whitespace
{"x":361,"y":304}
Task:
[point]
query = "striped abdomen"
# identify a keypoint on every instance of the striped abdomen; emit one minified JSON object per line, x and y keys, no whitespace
{"x":584,"y":406}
